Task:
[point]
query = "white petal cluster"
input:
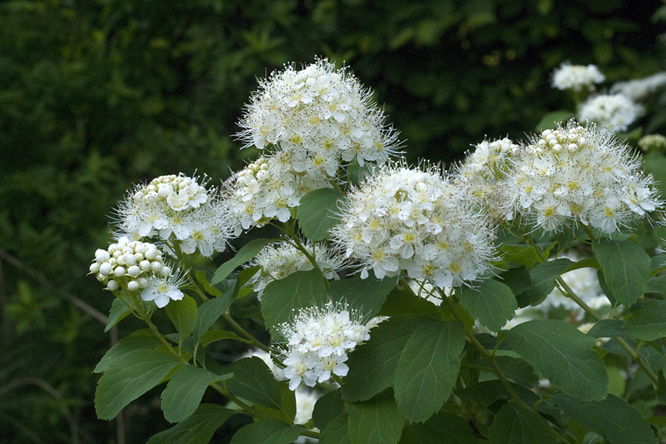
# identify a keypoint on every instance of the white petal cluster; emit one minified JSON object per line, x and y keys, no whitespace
{"x":135,"y":266}
{"x":613,"y":111}
{"x":417,"y":221}
{"x":575,"y":174}
{"x":577,"y":77}
{"x":317,"y":342}
{"x":483,"y":167}
{"x":640,"y":89}
{"x":320,"y":116}
{"x":280,"y":259}
{"x":176,"y":209}
{"x":265,"y":190}
{"x":652,"y":143}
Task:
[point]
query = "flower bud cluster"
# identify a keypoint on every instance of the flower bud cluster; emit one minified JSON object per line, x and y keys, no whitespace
{"x":321,"y":117}
{"x":416,"y":221}
{"x":317,"y":341}
{"x":266,"y":190}
{"x":613,"y":111}
{"x":280,"y":259}
{"x":575,"y":174}
{"x":176,"y":209}
{"x":577,"y":77}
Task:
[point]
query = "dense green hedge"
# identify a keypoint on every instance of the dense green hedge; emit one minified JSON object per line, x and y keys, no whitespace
{"x":98,"y":94}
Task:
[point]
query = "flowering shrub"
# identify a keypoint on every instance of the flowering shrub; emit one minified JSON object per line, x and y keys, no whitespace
{"x":510,"y":299}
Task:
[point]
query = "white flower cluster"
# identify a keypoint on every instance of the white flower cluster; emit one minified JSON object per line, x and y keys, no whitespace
{"x":265,"y":190}
{"x":484,"y":166}
{"x":176,"y":209}
{"x":652,"y":143}
{"x":136,"y":266}
{"x":575,"y":174}
{"x":317,"y":117}
{"x":577,"y":77}
{"x":414,"y":220}
{"x":642,"y":88}
{"x":317,"y":343}
{"x":280,"y":259}
{"x":613,"y":111}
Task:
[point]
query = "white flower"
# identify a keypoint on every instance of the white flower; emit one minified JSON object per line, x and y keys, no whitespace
{"x":577,"y":174}
{"x":280,"y":259}
{"x":162,"y":290}
{"x":411,"y":220}
{"x":317,"y":341}
{"x":321,"y":116}
{"x":615,"y":111}
{"x":178,"y":210}
{"x":642,"y":88}
{"x":577,"y":77}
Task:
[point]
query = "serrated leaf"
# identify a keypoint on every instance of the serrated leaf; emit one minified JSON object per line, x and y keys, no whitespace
{"x":564,"y":355}
{"x":336,"y":431}
{"x":130,"y":377}
{"x":184,"y":391}
{"x":626,"y":269}
{"x":518,"y":370}
{"x":543,"y":277}
{"x":209,"y":312}
{"x":443,"y":427}
{"x":372,"y":365}
{"x":198,"y":428}
{"x":367,"y":295}
{"x":298,"y":290}
{"x":491,"y":302}
{"x":376,"y":421}
{"x":327,"y":408}
{"x":287,"y":410}
{"x":648,"y":322}
{"x":267,"y":431}
{"x":428,"y":369}
{"x":183,"y":315}
{"x":254,"y":381}
{"x":243,"y":255}
{"x":611,"y":418}
{"x":318,"y":212}
{"x":210,"y":289}
{"x":119,"y":310}
{"x":514,"y":425}
{"x":140,"y":339}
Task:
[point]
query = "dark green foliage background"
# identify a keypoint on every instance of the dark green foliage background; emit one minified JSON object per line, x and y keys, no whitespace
{"x":96,"y":95}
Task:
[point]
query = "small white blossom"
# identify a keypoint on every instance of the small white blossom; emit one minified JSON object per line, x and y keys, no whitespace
{"x":614,"y":111}
{"x":577,"y":77}
{"x":640,"y":89}
{"x":403,"y":219}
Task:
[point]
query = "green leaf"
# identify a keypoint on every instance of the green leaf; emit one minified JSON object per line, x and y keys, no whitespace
{"x":648,"y":322}
{"x":400,"y":302}
{"x":327,"y":408}
{"x":428,"y":368}
{"x":287,"y":410}
{"x":443,"y":427}
{"x":367,"y":295}
{"x":552,"y":119}
{"x":119,"y":310}
{"x":522,"y":254}
{"x":611,"y":418}
{"x":130,"y":377}
{"x":372,"y":365}
{"x":564,"y":355}
{"x":626,"y":269}
{"x":491,"y":302}
{"x":220,"y":335}
{"x":607,"y":328}
{"x":140,"y":339}
{"x":184,"y":391}
{"x":267,"y":431}
{"x":197,"y":428}
{"x":209,"y":312}
{"x":518,"y":280}
{"x":246,"y":253}
{"x":336,"y":431}
{"x":183,"y":315}
{"x":376,"y":421}
{"x":318,"y":212}
{"x":254,"y":381}
{"x":298,"y":290}
{"x":210,"y":289}
{"x":542,"y":278}
{"x":518,"y":370}
{"x":514,"y":425}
